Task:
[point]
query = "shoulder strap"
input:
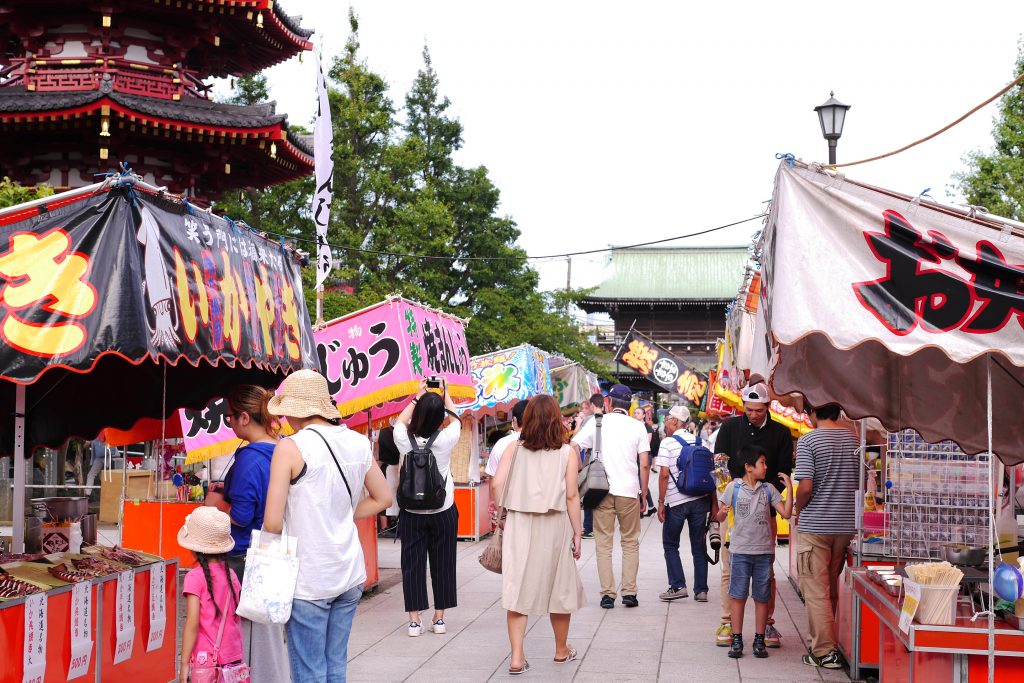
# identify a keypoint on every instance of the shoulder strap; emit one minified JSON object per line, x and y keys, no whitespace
{"x":735,"y":492}
{"x":223,"y":613}
{"x":336,"y":464}
{"x":508,"y":480}
{"x":681,"y":440}
{"x":596,"y":455}
{"x":432,"y":439}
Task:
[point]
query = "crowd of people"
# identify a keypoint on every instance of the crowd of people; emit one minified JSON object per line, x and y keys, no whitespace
{"x":316,"y":482}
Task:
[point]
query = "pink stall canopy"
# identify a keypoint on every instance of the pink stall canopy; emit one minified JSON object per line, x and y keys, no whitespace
{"x":907,"y":309}
{"x":374,"y":358}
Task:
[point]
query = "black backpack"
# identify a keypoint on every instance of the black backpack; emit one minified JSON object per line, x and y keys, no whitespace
{"x":420,"y":484}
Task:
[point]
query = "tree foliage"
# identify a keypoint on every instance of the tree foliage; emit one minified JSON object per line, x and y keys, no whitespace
{"x":11,"y":193}
{"x":995,"y":179}
{"x":399,"y":190}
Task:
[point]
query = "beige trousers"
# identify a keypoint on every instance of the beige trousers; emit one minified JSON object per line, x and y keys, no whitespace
{"x":820,"y":560}
{"x":626,"y":511}
{"x":726,"y":563}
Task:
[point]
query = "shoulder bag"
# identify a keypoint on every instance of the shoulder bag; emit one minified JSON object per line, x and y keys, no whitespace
{"x":593,"y":477}
{"x":490,"y":559}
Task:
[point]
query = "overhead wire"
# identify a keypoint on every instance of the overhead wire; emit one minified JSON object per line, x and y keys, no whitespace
{"x":381,"y":252}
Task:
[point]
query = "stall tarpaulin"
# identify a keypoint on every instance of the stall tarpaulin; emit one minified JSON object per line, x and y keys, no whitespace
{"x":572,"y":385}
{"x":660,"y":366}
{"x":906,"y":303}
{"x":377,"y":355}
{"x":104,"y":298}
{"x":503,"y":378}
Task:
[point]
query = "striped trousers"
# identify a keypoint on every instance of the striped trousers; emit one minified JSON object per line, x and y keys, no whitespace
{"x":430,"y":537}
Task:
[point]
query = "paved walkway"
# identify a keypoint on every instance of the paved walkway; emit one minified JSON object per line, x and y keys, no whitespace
{"x":655,"y":642}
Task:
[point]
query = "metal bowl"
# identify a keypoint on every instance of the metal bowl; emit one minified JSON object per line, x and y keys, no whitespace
{"x":964,"y":555}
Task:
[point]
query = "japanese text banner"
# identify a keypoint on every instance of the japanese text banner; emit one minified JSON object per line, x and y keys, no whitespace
{"x":143,"y":277}
{"x":660,"y":366}
{"x":381,"y":353}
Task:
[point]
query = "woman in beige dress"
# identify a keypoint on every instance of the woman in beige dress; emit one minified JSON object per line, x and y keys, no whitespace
{"x":537,"y":483}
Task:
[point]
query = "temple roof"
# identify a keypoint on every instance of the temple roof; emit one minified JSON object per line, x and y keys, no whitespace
{"x":671,"y":276}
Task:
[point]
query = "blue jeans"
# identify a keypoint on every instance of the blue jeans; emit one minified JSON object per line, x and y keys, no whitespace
{"x":747,"y":569}
{"x":318,"y":634}
{"x":695,"y":513}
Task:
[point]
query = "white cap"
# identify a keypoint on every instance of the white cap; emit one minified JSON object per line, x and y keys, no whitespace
{"x":680,"y":413}
{"x":756,"y":393}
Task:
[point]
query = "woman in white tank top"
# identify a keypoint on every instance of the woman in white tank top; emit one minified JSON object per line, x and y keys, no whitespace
{"x":316,"y":492}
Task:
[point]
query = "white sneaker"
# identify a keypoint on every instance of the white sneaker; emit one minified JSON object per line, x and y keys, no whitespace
{"x":439,"y":627}
{"x":415,"y":629}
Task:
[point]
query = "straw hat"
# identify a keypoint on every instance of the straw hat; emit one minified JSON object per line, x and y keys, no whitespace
{"x":304,"y":394}
{"x":206,"y":530}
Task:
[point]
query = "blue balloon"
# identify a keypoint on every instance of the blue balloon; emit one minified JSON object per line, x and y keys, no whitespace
{"x":1008,"y":582}
{"x":177,"y":479}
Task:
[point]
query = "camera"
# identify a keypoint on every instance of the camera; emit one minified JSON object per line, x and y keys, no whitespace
{"x":433,"y":382}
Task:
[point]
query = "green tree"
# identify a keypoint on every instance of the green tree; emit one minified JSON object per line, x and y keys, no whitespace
{"x":250,"y":89}
{"x":11,"y":193}
{"x":995,"y":179}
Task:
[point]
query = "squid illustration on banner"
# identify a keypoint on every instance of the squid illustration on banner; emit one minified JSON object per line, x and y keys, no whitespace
{"x":504,"y":377}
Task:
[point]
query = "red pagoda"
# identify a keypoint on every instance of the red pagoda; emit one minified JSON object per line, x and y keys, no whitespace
{"x":85,"y":84}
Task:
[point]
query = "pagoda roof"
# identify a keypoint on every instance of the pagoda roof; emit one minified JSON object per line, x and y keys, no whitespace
{"x":670,"y":276}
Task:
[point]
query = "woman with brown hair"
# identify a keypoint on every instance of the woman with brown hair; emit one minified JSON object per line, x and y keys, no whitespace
{"x":245,"y":490}
{"x":537,"y":483}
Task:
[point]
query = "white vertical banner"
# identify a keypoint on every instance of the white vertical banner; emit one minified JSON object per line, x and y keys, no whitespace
{"x":81,"y":629}
{"x":125,"y":616}
{"x":323,"y":155}
{"x":35,"y":639}
{"x":157,"y":606}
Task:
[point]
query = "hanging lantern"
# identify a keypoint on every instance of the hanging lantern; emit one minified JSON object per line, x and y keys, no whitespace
{"x":227,"y":169}
{"x":273,"y":150}
{"x":104,"y":126}
{"x":104,"y":153}
{"x":259,"y":20}
{"x":106,"y":21}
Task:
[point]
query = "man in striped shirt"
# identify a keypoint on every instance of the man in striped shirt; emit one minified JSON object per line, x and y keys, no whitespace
{"x":826,"y":467}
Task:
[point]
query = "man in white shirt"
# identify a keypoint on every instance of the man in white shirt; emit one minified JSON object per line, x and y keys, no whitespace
{"x":624,"y":452}
{"x":676,"y":509}
{"x":502,"y":444}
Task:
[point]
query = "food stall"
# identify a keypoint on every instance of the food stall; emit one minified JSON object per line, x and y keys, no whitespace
{"x":571,"y":384}
{"x":217,"y":306}
{"x":501,"y":379}
{"x":374,"y":360}
{"x":921,"y":332}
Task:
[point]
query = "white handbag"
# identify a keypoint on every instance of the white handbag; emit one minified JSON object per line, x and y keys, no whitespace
{"x":268,"y":586}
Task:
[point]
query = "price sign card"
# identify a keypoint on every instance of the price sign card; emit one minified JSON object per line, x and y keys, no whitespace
{"x":911,"y":599}
{"x":157,"y":606}
{"x":35,"y":639}
{"x":125,"y":616}
{"x":81,"y":629}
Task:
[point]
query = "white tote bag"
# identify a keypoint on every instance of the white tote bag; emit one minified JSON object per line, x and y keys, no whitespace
{"x":268,"y":586}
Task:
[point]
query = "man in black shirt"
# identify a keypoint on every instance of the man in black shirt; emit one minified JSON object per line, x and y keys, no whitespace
{"x":755,"y":427}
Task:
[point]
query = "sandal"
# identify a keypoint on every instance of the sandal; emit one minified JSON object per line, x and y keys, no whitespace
{"x":521,"y":670}
{"x":569,"y":657}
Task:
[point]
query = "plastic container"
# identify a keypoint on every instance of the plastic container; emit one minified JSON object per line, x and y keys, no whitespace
{"x":938,"y":603}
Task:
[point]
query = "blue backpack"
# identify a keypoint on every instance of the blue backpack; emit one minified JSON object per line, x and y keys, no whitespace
{"x":696,"y":465}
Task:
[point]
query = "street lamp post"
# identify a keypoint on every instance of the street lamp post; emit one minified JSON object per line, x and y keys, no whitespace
{"x":832,"y":116}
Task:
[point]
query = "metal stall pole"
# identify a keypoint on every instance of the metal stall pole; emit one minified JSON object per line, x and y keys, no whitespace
{"x":18,"y":509}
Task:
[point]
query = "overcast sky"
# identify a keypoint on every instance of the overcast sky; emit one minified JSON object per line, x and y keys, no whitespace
{"x":620,"y":122}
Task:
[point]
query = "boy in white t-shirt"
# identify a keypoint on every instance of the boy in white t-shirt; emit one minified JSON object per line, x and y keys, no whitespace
{"x":751,"y":544}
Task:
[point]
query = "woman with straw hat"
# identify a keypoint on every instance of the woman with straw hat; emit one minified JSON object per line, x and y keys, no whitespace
{"x":317,"y":481}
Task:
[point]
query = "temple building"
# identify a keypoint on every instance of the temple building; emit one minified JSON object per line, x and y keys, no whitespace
{"x":85,"y":85}
{"x":675,"y":296}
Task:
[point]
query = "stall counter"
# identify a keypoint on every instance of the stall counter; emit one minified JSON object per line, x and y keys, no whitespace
{"x":935,"y":654}
{"x":158,"y":665}
{"x":473,"y":502}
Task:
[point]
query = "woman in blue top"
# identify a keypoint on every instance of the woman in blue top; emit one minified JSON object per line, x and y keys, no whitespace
{"x":245,"y":489}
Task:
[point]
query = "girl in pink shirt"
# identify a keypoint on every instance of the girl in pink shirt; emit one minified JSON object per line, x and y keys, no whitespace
{"x":211,"y":591}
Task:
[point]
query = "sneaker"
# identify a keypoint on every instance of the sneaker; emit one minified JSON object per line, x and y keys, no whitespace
{"x":607,"y":602}
{"x":759,"y":648}
{"x":833,"y":660}
{"x":588,"y":534}
{"x":439,"y":627}
{"x":772,"y":637}
{"x":630,"y":601}
{"x":674,"y":594}
{"x":701,"y":597}
{"x":723,"y":636}
{"x":415,"y":629}
{"x":736,"y":648}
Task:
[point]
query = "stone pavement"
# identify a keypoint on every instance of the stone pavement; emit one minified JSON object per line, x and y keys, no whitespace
{"x":656,"y":641}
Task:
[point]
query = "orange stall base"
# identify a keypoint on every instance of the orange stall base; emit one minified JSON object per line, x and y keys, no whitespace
{"x":158,"y":665}
{"x":141,"y":529}
{"x":474,"y":516}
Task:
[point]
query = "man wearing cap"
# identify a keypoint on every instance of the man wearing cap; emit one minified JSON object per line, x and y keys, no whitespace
{"x":624,"y":451}
{"x":756,"y":427}
{"x":676,"y":509}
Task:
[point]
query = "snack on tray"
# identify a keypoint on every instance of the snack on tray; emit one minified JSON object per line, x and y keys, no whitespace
{"x":64,"y":572}
{"x":11,"y":587}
